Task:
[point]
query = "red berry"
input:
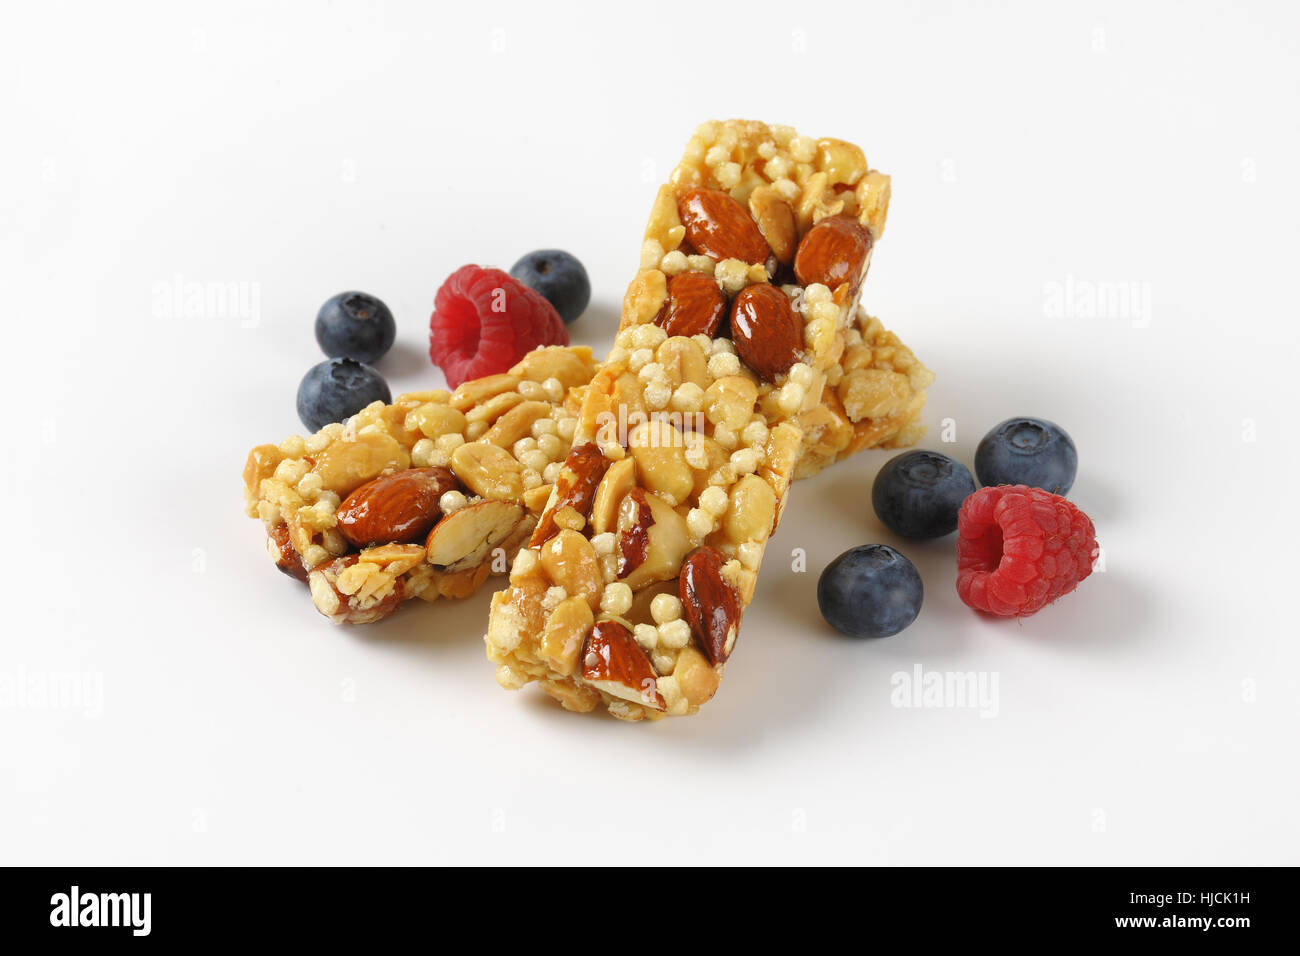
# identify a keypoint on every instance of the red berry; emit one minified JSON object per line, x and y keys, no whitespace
{"x":1020,"y":548}
{"x":484,"y":322}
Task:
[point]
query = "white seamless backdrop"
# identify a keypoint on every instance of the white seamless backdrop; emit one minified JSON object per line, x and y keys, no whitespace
{"x":1094,"y":220}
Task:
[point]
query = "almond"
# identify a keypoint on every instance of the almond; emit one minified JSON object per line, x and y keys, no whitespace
{"x":620,"y":478}
{"x":344,"y":608}
{"x":765,"y":331}
{"x":775,"y":221}
{"x":283,"y":554}
{"x":634,"y":523}
{"x":397,"y":508}
{"x":574,"y":488}
{"x":466,"y":537}
{"x":652,"y":540}
{"x":833,"y":252}
{"x":719,"y":227}
{"x":695,"y":305}
{"x":709,"y":603}
{"x":613,"y":661}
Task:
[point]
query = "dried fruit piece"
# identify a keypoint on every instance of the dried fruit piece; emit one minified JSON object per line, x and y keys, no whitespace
{"x":466,"y":537}
{"x":709,"y":603}
{"x":695,"y":306}
{"x":833,"y":252}
{"x":399,"y":508}
{"x":719,"y":227}
{"x":613,"y":661}
{"x":764,"y":330}
{"x":575,"y":487}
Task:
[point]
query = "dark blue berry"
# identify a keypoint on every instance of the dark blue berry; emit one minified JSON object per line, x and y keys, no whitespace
{"x":917,"y":494}
{"x":336,"y":389}
{"x":558,"y":276}
{"x":356,"y":326}
{"x":870,"y":591}
{"x":1027,"y":451}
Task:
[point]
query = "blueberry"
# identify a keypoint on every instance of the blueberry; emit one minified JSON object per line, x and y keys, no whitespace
{"x":870,"y":591}
{"x":337,"y":389}
{"x":356,"y":326}
{"x":559,"y":276}
{"x":1027,"y":451}
{"x":917,"y":494}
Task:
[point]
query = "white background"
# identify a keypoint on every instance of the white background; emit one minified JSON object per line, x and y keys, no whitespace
{"x":304,"y":149}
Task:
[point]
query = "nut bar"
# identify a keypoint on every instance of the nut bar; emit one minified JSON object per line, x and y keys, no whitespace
{"x":414,"y":498}
{"x":729,"y":356}
{"x":379,"y":522}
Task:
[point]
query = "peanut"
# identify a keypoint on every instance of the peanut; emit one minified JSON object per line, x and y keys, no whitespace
{"x":752,"y":510}
{"x":695,"y":677}
{"x":488,"y":470}
{"x":571,"y":367}
{"x":572,"y":563}
{"x":730,"y":401}
{"x":477,"y":391}
{"x":660,"y":456}
{"x":683,"y":361}
{"x":566,"y":629}
{"x":516,"y":423}
{"x":347,"y":465}
{"x":433,"y":420}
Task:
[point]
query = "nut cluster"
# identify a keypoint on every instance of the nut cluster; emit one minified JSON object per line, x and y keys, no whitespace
{"x":411,"y":499}
{"x":633,"y":586}
{"x":633,"y":499}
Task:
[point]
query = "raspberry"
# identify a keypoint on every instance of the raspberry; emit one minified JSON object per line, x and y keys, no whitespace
{"x":484,"y":322}
{"x":1020,"y":548}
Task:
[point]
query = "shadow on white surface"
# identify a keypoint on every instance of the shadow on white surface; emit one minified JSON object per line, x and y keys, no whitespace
{"x":407,"y":361}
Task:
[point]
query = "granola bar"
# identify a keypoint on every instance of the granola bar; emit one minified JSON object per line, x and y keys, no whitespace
{"x":405,"y":454}
{"x":736,"y":349}
{"x":422,"y":498}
